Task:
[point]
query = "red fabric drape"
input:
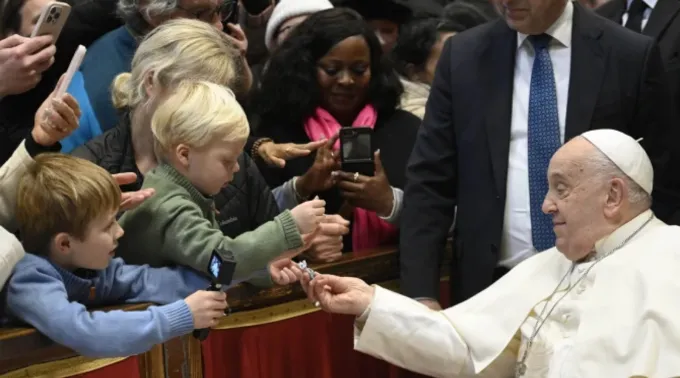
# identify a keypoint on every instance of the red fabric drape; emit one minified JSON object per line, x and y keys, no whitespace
{"x":128,"y":368}
{"x":317,"y":345}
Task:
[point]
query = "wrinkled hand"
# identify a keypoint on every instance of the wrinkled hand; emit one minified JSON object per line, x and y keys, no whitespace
{"x":238,"y":37}
{"x":22,"y":62}
{"x":340,"y":295}
{"x":276,"y":154}
{"x":284,"y":271}
{"x":55,"y":119}
{"x":130,"y":200}
{"x":319,"y":177}
{"x":308,"y":215}
{"x":206,"y":307}
{"x":326,"y":246}
{"x":369,"y":193}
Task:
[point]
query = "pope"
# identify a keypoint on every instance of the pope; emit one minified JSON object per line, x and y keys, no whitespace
{"x":603,"y":303}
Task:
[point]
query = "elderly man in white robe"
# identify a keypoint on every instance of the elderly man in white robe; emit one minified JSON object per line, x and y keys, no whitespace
{"x":605,"y":302}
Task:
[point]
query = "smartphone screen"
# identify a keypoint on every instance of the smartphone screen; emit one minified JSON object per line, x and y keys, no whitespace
{"x":232,"y":11}
{"x":221,"y":269}
{"x":357,"y":146}
{"x":215,"y":265}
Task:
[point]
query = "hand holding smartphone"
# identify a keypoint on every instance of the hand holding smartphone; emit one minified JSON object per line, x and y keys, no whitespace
{"x":221,"y":274}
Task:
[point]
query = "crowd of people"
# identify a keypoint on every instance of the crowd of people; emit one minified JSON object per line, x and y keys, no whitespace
{"x":537,"y":135}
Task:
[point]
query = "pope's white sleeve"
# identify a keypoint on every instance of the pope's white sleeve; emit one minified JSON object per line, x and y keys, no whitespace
{"x":406,"y":333}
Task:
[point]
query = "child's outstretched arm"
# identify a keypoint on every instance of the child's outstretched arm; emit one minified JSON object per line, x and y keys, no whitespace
{"x":38,"y":297}
{"x":189,"y":239}
{"x":141,"y":283}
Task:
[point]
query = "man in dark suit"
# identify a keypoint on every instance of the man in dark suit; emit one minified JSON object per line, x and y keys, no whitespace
{"x":506,"y":95}
{"x":659,"y":19}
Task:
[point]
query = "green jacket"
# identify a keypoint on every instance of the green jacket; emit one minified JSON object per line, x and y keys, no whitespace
{"x":177,"y":226}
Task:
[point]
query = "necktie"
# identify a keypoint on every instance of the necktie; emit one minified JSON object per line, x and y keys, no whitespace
{"x":635,"y":14}
{"x":544,"y":139}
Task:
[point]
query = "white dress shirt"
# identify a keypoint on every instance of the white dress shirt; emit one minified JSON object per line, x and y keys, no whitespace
{"x":516,"y":242}
{"x":645,"y":16}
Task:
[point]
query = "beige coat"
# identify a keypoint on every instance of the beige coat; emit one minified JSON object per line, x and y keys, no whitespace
{"x":11,"y":250}
{"x":10,"y":174}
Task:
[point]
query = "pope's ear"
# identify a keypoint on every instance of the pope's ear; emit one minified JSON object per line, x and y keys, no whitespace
{"x":617,"y":194}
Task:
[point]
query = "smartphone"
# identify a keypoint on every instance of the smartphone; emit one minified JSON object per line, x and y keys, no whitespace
{"x":232,"y":9}
{"x":356,"y":150}
{"x":220,"y":269}
{"x":234,"y":14}
{"x":72,"y":68}
{"x":52,"y":20}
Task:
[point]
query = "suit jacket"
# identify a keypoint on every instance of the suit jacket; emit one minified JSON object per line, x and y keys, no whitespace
{"x":664,"y":26}
{"x":461,"y":153}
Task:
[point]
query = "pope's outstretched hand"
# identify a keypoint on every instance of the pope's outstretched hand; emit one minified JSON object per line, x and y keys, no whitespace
{"x":340,"y":295}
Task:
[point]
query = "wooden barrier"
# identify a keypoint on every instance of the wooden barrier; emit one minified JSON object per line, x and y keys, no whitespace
{"x":26,"y":353}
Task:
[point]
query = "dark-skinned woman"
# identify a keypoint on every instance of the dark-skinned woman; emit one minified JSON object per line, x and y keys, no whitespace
{"x":335,"y":76}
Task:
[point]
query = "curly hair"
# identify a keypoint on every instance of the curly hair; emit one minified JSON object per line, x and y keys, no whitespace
{"x":289,"y":89}
{"x":415,"y":44}
{"x":132,"y":12}
{"x":463,"y":15}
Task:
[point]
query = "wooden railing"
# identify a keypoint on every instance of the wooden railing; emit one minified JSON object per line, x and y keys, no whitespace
{"x":24,"y":347}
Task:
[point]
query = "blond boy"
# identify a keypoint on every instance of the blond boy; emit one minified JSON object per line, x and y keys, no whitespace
{"x":66,"y":210}
{"x":199,"y":131}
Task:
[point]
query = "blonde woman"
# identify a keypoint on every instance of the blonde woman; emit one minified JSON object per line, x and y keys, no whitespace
{"x":98,"y":113}
{"x":172,"y":53}
{"x":199,"y":131}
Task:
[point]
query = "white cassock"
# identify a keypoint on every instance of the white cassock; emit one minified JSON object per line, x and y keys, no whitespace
{"x":621,"y":320}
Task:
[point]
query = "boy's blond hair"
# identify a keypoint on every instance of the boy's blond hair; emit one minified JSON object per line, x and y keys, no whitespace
{"x":196,"y":114}
{"x":62,"y":193}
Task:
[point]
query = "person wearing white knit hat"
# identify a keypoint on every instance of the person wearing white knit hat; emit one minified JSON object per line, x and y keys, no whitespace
{"x":602,"y":303}
{"x":287,"y":15}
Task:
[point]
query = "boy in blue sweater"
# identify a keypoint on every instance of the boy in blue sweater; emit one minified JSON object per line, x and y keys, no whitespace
{"x":67,"y":210}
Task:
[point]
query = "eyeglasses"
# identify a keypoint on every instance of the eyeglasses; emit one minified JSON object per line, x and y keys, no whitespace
{"x":224,"y":11}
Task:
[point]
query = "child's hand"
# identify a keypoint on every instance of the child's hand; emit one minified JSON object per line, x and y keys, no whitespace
{"x":306,"y":242}
{"x":284,"y":271}
{"x":309,"y":214}
{"x":206,"y":307}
